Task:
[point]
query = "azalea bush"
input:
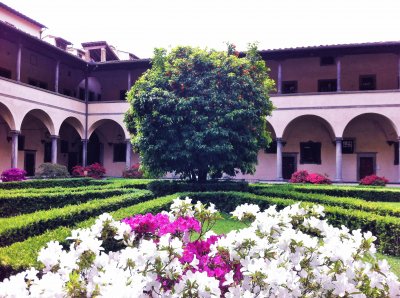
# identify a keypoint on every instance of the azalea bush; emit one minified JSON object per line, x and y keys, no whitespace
{"x":13,"y":174}
{"x":305,"y":177}
{"x":133,"y":172}
{"x":289,"y":253}
{"x":374,"y":180}
{"x":95,"y":171}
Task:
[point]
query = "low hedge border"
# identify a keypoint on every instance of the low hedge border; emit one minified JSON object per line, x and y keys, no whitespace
{"x":21,"y":227}
{"x":166,"y":187}
{"x":27,"y":203}
{"x":317,"y":198}
{"x":381,"y":194}
{"x":385,"y":228}
{"x":12,"y":262}
{"x":38,"y":183}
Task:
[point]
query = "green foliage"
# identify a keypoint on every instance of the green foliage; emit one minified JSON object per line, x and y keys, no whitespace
{"x":165,"y":187}
{"x":319,"y":198}
{"x":199,"y":112}
{"x":46,"y":183}
{"x":50,"y":171}
{"x":21,"y":227}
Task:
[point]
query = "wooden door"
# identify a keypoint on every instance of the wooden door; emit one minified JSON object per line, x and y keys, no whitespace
{"x":29,"y":163}
{"x":366,"y":166}
{"x":288,"y":166}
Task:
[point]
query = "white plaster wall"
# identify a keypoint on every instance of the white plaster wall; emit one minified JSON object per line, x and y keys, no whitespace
{"x":19,"y":23}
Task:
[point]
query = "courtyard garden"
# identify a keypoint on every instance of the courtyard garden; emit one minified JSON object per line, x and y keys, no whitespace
{"x":35,"y":212}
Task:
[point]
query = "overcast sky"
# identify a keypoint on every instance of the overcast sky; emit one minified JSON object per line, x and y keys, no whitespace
{"x":139,"y":26}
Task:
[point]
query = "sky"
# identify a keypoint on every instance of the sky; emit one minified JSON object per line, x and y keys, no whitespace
{"x":140,"y":26}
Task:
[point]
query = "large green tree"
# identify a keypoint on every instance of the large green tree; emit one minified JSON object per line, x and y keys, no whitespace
{"x":201,"y":112}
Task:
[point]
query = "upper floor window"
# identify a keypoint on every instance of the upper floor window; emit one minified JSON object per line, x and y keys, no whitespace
{"x":368,"y":82}
{"x":396,"y":153}
{"x":310,"y":152}
{"x":327,"y":60}
{"x":37,"y":83}
{"x":5,"y":73}
{"x":289,"y":87}
{"x":122,"y":94}
{"x":327,"y":85}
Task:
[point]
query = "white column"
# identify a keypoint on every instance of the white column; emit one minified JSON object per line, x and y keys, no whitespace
{"x":14,"y":148}
{"x":19,"y":55}
{"x":128,"y":153}
{"x":54,"y":149}
{"x":398,"y":153}
{"x":57,"y":76}
{"x":338,"y":177}
{"x":103,"y":55}
{"x":398,"y":71}
{"x":338,"y":74}
{"x":129,"y":81}
{"x":279,"y":175}
{"x":280,"y":78}
{"x":84,"y":152}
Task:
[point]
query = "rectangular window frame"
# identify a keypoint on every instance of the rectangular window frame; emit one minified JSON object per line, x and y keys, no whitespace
{"x":310,"y":152}
{"x":323,"y":89}
{"x":289,"y":87}
{"x":346,"y":148}
{"x":369,"y":76}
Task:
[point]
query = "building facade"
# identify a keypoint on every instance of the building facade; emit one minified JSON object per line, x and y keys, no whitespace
{"x":337,"y":108}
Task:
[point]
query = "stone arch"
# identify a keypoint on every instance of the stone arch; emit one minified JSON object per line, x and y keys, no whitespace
{"x":101,"y":122}
{"x":271,"y":130}
{"x":75,"y":123}
{"x":8,"y":117}
{"x":318,"y":119}
{"x":43,"y":117}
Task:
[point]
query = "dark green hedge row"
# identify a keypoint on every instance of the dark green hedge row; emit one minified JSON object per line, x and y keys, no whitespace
{"x":165,"y":187}
{"x":385,"y":228}
{"x":367,"y":193}
{"x":38,"y":183}
{"x":19,"y":228}
{"x":23,"y":255}
{"x":317,"y":198}
{"x":27,"y":203}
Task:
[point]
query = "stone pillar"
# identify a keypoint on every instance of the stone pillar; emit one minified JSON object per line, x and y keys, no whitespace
{"x":19,"y":56}
{"x":57,"y":76}
{"x":84,"y":152}
{"x":14,"y":148}
{"x":128,"y":156}
{"x":129,"y":80}
{"x":338,"y":75}
{"x":279,"y":146}
{"x":103,"y":55}
{"x":338,"y":177}
{"x":280,"y":78}
{"x":54,"y":149}
{"x":398,"y":71}
{"x":398,"y":153}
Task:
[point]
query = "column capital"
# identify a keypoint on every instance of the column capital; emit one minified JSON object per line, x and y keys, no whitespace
{"x":54,"y":137}
{"x":398,"y":138}
{"x":127,"y":140}
{"x":84,"y":140}
{"x":15,"y":132}
{"x":338,"y":139}
{"x":279,"y":140}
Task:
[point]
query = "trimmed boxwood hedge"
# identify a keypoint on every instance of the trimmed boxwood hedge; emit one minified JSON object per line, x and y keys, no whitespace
{"x":38,"y":183}
{"x":27,"y":203}
{"x":12,"y":262}
{"x":381,"y":194}
{"x":351,"y":203}
{"x":19,"y":228}
{"x":165,"y":187}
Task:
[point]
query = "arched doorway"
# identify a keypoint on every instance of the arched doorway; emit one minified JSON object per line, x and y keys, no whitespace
{"x":70,"y":149}
{"x":373,"y":142}
{"x":7,"y":125}
{"x":35,"y":140}
{"x":308,"y":144}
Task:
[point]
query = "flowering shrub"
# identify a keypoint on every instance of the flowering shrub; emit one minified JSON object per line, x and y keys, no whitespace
{"x":374,"y":180}
{"x":95,"y":171}
{"x":13,"y":174}
{"x":291,"y":253}
{"x":133,"y":172}
{"x":299,"y":177}
{"x":305,"y":177}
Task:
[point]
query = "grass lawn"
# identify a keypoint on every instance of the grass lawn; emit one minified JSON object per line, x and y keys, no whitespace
{"x":228,"y":224}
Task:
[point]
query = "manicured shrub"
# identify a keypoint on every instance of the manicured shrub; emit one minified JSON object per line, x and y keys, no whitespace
{"x":95,"y":171}
{"x":299,"y":177}
{"x":374,"y":180}
{"x":133,"y":172}
{"x":305,"y":177}
{"x":50,"y":171}
{"x":45,"y":183}
{"x":13,"y":174}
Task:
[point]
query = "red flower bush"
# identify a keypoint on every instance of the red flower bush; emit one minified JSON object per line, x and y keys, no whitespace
{"x":299,"y":177}
{"x":133,"y":172}
{"x":13,"y":174}
{"x":95,"y":171}
{"x":305,"y":177}
{"x":374,"y":180}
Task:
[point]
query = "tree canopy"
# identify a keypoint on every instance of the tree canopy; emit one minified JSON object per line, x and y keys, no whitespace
{"x":201,"y":112}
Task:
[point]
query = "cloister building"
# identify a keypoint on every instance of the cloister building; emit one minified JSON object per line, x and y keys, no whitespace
{"x":337,"y":107}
